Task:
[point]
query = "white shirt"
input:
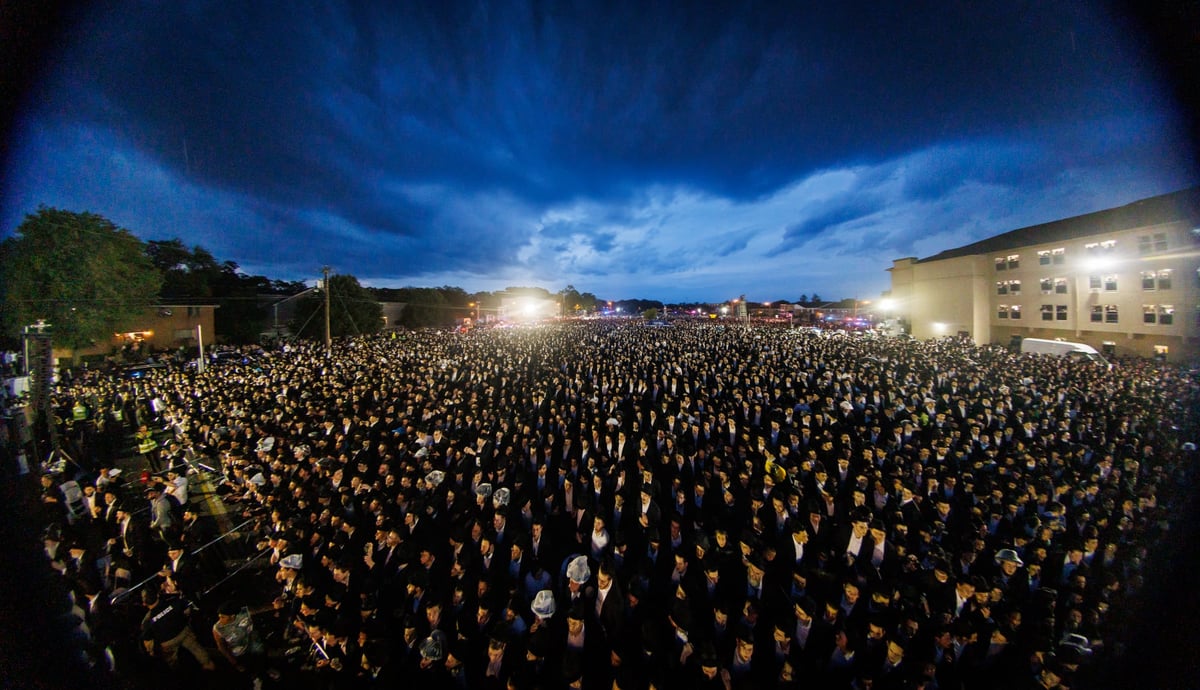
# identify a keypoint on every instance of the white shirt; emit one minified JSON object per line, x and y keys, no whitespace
{"x":601,"y":595}
{"x":854,"y":546}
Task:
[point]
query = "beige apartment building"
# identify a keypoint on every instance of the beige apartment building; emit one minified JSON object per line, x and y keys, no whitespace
{"x":1125,"y":281}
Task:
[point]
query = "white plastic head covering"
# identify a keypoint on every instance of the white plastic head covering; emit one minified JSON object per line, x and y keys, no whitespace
{"x":266,"y":444}
{"x":483,"y":490}
{"x":578,"y":570}
{"x":293,"y":562}
{"x":435,"y":477}
{"x":501,"y":497}
{"x":258,"y":479}
{"x":543,"y":605}
{"x":432,"y":647}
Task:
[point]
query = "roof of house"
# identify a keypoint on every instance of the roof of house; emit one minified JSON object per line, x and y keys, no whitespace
{"x":1167,"y":208}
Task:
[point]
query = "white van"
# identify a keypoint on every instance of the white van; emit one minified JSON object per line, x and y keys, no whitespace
{"x":1062,"y":348}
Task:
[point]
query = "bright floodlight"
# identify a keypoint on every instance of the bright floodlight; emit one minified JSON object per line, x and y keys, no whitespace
{"x":887,"y":304}
{"x":1098,"y":263}
{"x":529,"y":309}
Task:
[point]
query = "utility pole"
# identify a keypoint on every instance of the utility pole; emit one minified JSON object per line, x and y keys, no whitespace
{"x":328,"y":337}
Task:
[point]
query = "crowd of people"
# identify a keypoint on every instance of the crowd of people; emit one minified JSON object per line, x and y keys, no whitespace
{"x":608,"y":505}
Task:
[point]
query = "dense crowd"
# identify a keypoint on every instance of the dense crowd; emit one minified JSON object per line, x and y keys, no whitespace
{"x":605,"y":505}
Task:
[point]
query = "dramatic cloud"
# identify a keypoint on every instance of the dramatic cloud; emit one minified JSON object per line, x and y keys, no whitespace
{"x":669,"y":151}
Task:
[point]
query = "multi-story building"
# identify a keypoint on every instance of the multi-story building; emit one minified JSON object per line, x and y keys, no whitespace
{"x":1125,"y":281}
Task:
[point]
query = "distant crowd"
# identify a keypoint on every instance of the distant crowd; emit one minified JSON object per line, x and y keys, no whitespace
{"x":610,"y":505}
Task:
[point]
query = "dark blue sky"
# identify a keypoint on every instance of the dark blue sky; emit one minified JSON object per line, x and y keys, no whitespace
{"x":672,"y":150}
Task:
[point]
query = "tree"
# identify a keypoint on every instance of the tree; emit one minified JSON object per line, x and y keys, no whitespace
{"x":193,"y":275}
{"x":77,"y":271}
{"x":354,"y":311}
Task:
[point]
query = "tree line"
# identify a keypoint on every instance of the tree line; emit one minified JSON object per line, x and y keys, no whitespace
{"x":83,"y":274}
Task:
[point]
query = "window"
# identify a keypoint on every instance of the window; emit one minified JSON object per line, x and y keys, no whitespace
{"x":1014,"y":287}
{"x":1047,"y":312}
{"x":1110,"y":283}
{"x":1164,"y":279}
{"x":1166,"y":314}
{"x":1110,"y":314}
{"x":1001,"y":288}
{"x":1008,"y":287}
{"x":1047,"y":285}
{"x":1148,"y":280}
{"x":1001,"y":264}
{"x":1060,"y":286}
{"x":1149,"y":313}
{"x":1014,"y":312}
{"x":1014,"y":261}
{"x":1002,"y":312}
{"x":1097,"y":313}
{"x":1152,"y":243}
{"x":193,"y":311}
{"x":1100,"y":248}
{"x":1047,"y":257}
{"x":1060,"y":312}
{"x":1094,"y":282}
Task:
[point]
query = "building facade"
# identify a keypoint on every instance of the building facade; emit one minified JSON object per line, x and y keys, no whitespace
{"x":1125,"y":281}
{"x":159,"y":327}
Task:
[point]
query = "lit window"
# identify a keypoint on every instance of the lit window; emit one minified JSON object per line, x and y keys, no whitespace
{"x":1014,"y":261}
{"x":1166,"y":314}
{"x":1110,"y":314}
{"x":1014,"y":312}
{"x":1047,"y":257}
{"x":1149,"y":313}
{"x":1047,"y":312}
{"x":1060,"y":312}
{"x":1097,"y":248}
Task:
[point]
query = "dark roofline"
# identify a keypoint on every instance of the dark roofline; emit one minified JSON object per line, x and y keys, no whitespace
{"x":1156,"y":210}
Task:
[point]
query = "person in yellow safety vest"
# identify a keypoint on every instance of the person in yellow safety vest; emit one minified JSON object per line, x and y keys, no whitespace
{"x":148,"y":447}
